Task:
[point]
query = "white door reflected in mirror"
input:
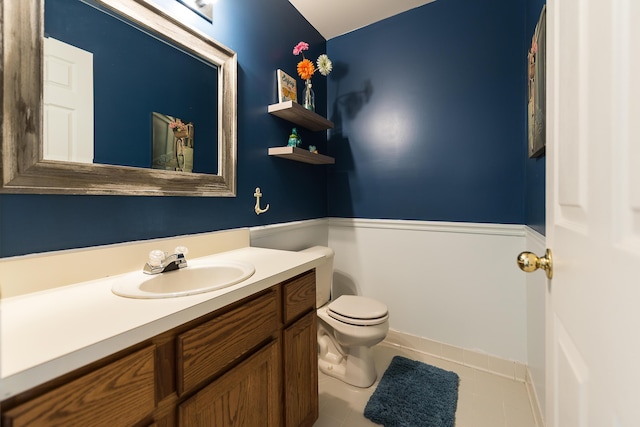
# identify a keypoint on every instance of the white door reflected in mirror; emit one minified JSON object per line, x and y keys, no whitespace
{"x":68,"y":103}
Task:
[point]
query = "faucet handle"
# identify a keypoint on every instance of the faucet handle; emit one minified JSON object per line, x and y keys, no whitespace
{"x":181,"y":250}
{"x":156,"y":257}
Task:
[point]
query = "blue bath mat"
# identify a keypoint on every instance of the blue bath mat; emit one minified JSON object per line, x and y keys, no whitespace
{"x":414,"y":394}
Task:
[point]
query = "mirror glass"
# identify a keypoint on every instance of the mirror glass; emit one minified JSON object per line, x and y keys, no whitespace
{"x":203,"y":8}
{"x":95,"y":61}
{"x":98,"y":80}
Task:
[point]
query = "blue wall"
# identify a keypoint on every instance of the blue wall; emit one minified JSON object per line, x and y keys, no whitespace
{"x":263,"y":42}
{"x":431,"y":109}
{"x":535,"y":168}
{"x":430,"y":114}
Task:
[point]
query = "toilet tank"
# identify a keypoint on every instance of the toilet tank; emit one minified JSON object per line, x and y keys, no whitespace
{"x":324,"y":274}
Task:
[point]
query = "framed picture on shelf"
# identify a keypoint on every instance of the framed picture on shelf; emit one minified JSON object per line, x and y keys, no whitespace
{"x":536,"y":108}
{"x":287,"y":90}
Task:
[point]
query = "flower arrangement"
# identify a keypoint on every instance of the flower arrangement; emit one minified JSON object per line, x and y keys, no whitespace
{"x":306,"y":68}
{"x":177,"y":125}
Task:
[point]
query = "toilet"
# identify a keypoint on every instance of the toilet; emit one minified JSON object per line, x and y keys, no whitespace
{"x":347,"y":328}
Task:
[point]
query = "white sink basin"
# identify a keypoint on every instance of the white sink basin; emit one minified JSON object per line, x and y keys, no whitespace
{"x":193,"y":279}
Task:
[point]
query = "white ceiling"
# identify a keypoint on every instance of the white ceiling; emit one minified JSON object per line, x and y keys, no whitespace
{"x":333,"y":18}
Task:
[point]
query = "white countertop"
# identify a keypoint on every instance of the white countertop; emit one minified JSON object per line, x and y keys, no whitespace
{"x":49,"y":333}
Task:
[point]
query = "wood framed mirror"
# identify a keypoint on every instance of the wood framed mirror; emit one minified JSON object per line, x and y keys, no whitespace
{"x":22,"y":166}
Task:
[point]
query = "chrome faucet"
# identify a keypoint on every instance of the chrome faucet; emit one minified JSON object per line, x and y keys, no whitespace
{"x":160,"y":262}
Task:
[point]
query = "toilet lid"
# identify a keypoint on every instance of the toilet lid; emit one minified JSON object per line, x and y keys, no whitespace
{"x":358,"y":310}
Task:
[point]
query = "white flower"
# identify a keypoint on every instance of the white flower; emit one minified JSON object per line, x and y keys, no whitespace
{"x":324,"y":64}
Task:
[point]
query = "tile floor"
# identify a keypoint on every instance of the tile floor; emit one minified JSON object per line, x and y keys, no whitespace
{"x":484,"y":399}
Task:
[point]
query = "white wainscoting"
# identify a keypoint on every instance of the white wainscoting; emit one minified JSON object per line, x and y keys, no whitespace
{"x":454,"y":283}
{"x":536,"y":284}
{"x":291,"y":236}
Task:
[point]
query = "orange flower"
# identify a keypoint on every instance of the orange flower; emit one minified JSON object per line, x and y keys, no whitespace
{"x":306,"y":69}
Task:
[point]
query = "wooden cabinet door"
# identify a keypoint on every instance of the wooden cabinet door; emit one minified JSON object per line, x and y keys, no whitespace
{"x":301,"y":372}
{"x":247,"y":396}
{"x":208,"y":349}
{"x":119,"y":394}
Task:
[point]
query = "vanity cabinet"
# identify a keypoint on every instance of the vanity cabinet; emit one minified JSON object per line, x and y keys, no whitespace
{"x":300,"y":351}
{"x":251,"y":363}
{"x":248,"y":395}
{"x":120,"y":393}
{"x":209,"y":348}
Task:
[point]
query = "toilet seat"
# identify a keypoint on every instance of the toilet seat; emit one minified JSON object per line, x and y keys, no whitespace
{"x":358,"y":310}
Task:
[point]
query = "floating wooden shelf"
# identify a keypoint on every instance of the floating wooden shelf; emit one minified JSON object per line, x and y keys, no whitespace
{"x":300,"y":155}
{"x":296,"y":113}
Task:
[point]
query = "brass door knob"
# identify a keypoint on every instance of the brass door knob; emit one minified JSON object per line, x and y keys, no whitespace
{"x":529,"y":262}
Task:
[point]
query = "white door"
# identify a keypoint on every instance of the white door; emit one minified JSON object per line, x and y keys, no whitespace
{"x":593,"y":213}
{"x":68,"y":102}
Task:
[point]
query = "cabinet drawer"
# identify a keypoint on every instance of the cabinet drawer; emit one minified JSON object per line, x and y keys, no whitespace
{"x":206,"y":350}
{"x":299,"y":295}
{"x":119,"y":394}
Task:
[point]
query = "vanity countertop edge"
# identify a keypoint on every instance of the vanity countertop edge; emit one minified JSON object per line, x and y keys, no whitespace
{"x":50,"y":333}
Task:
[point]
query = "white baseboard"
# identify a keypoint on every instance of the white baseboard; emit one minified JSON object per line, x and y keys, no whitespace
{"x":471,"y":358}
{"x":474,"y":359}
{"x":534,"y":401}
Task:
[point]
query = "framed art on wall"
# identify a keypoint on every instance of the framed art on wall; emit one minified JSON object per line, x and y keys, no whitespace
{"x":536,"y":108}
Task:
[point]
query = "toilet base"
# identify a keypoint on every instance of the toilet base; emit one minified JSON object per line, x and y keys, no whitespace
{"x":355,"y":367}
